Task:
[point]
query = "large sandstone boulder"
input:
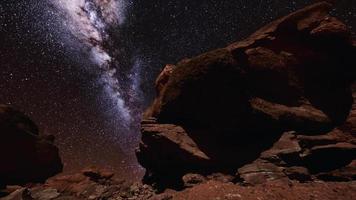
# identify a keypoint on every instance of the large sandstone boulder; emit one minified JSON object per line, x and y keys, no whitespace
{"x":220,"y":110}
{"x":25,"y":155}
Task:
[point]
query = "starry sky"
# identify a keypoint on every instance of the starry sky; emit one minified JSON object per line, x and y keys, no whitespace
{"x":83,"y":70}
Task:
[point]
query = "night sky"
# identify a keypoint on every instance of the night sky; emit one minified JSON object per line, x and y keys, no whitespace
{"x":83,"y":70}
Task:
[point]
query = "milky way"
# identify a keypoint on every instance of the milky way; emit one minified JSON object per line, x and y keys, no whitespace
{"x":66,"y":53}
{"x":84,"y":70}
{"x":89,"y":20}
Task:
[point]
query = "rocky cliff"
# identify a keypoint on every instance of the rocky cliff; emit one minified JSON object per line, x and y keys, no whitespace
{"x":275,"y":105}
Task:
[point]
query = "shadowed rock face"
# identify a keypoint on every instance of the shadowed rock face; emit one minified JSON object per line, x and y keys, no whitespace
{"x":25,"y":155}
{"x":218,"y":111}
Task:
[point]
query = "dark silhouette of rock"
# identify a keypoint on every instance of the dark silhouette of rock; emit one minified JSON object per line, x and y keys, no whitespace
{"x":330,"y":157}
{"x":26,"y":156}
{"x":219,"y":111}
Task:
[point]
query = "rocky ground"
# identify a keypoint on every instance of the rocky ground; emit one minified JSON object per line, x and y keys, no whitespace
{"x":269,"y":117}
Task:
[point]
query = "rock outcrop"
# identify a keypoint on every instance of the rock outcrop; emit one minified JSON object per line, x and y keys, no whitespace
{"x":219,"y":111}
{"x":26,"y":156}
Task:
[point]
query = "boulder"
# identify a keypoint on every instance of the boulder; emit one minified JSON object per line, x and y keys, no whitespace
{"x":171,"y":143}
{"x":329,"y":157}
{"x":26,"y":156}
{"x":220,"y":110}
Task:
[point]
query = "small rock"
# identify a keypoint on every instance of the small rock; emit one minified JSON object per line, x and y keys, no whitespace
{"x":46,"y":194}
{"x":260,"y":172}
{"x":191,"y":180}
{"x":96,"y":174}
{"x":219,"y":177}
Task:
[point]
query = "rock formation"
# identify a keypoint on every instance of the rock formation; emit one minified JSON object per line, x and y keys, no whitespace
{"x":288,"y":82}
{"x":26,"y":156}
